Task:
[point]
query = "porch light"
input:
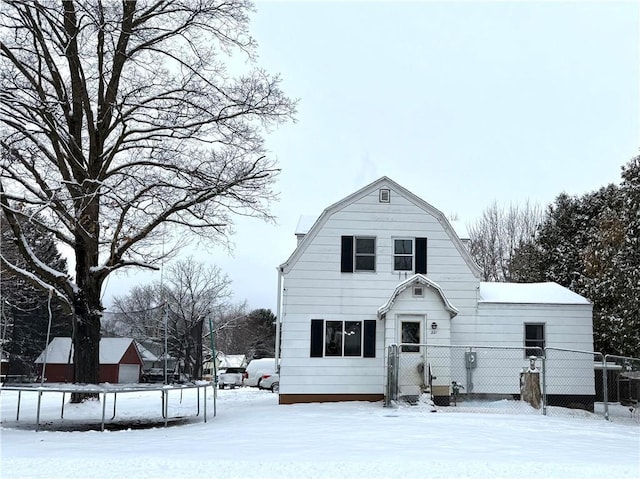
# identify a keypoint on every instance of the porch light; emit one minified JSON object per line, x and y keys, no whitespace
{"x":434,"y":326}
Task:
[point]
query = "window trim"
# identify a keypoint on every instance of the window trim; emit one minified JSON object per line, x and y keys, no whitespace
{"x":364,"y":255}
{"x":411,"y":349}
{"x":404,"y":255}
{"x":318,"y":342}
{"x":525,"y":341}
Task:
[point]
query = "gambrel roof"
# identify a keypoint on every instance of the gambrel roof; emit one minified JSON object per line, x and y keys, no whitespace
{"x":383,"y":182}
{"x":417,"y":279}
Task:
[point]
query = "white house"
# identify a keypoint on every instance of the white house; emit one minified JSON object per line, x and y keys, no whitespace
{"x":382,"y":267}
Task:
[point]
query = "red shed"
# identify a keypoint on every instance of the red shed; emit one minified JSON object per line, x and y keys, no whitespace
{"x":120,"y":361}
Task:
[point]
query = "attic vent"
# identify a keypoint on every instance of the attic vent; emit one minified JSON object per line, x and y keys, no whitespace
{"x":385,"y":195}
{"x":418,"y":291}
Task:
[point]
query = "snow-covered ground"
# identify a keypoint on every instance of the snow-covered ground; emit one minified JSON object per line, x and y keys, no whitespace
{"x":252,"y":436}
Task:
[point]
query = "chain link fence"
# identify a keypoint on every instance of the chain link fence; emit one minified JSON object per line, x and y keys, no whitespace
{"x":528,"y":380}
{"x":619,"y":393}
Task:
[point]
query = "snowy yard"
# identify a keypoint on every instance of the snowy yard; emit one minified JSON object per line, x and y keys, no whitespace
{"x":252,"y":436}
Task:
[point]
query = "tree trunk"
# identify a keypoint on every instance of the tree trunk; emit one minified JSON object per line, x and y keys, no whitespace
{"x":530,"y":388}
{"x":87,"y":304}
{"x":196,"y":339}
{"x":86,"y":347}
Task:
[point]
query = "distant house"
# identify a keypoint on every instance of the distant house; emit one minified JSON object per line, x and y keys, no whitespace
{"x":223,"y":361}
{"x":120,"y":361}
{"x":153,"y":355}
{"x":383,"y":267}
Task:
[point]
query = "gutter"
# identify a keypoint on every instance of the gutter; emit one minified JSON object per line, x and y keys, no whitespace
{"x":278,"y":319}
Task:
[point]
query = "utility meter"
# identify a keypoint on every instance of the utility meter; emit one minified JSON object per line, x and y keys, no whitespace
{"x":470,"y":359}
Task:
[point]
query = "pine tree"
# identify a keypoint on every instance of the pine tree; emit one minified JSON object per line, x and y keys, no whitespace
{"x":590,"y":244}
{"x":26,"y":308}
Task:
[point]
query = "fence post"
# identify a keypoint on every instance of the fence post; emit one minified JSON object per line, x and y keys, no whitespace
{"x":605,"y":386}
{"x":544,"y":382}
{"x":392,"y":374}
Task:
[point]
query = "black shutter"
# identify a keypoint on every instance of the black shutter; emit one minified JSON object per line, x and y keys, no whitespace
{"x":317,"y":336}
{"x":369,"y":349}
{"x":421,"y":255}
{"x":346,"y":260}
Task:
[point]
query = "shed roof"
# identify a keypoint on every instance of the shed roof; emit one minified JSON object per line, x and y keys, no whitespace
{"x":60,"y":351}
{"x":529,"y":293}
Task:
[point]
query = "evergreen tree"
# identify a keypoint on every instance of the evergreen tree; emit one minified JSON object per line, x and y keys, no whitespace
{"x":25,"y":311}
{"x":590,"y":245}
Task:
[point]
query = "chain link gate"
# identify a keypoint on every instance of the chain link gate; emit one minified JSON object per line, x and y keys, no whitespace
{"x":621,"y":388}
{"x":466,"y":377}
{"x":570,"y":381}
{"x":528,"y":380}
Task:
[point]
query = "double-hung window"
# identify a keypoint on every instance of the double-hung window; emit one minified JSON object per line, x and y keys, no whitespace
{"x":331,"y":338}
{"x":403,"y":254}
{"x":358,"y":253}
{"x":410,"y":255}
{"x":365,"y":254}
{"x":533,"y":339}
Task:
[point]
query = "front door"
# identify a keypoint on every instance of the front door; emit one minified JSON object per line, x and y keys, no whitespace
{"x":411,"y":374}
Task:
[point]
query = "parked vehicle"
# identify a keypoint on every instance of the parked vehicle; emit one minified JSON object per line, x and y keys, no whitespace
{"x":270,"y":382}
{"x":232,"y":377}
{"x":156,"y":375}
{"x":257,"y":370}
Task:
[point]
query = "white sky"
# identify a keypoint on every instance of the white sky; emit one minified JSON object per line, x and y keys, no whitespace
{"x":461,"y":103}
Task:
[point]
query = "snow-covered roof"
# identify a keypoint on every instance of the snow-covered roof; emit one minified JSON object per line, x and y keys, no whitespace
{"x":60,"y":351}
{"x":460,"y":228}
{"x":145,"y":354}
{"x":529,"y":293}
{"x":231,"y":360}
{"x":305,"y":222}
{"x":416,"y":279}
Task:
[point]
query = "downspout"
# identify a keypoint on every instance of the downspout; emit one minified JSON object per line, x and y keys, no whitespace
{"x":278,"y":319}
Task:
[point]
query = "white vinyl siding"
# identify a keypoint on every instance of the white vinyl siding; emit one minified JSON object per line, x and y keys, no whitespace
{"x":314,"y":287}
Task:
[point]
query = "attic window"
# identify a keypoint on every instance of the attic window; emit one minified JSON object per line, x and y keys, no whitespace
{"x":418,"y":291}
{"x":385,"y":195}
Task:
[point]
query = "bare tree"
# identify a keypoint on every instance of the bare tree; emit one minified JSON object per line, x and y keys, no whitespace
{"x":138,"y":314}
{"x":189,"y":295}
{"x":228,"y":330}
{"x":193,"y":293}
{"x":497,"y":234}
{"x":121,"y":124}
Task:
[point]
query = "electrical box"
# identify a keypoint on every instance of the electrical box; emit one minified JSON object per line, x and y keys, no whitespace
{"x":470,"y":359}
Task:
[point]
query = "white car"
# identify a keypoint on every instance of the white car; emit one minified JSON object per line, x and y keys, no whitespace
{"x":231,"y":377}
{"x":270,"y":382}
{"x":257,"y":370}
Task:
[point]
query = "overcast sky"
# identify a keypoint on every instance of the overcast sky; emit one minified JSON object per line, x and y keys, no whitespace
{"x":461,"y":103}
